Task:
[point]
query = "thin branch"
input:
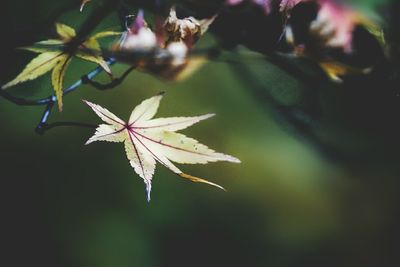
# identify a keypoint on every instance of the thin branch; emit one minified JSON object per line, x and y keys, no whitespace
{"x":24,"y":102}
{"x":45,"y":117}
{"x":48,"y":126}
{"x":115,"y":82}
{"x":50,"y":100}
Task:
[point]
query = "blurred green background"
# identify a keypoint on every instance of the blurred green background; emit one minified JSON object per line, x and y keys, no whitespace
{"x":66,"y":204}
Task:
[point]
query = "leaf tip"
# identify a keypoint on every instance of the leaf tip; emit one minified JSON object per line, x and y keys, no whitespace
{"x":209,"y":115}
{"x":148,"y":191}
{"x":86,"y":102}
{"x":234,"y":160}
{"x":200,"y":180}
{"x":60,"y":104}
{"x":7,"y":85}
{"x":88,"y":142}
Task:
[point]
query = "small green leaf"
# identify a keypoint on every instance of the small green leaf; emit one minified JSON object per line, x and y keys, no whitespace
{"x":52,"y":55}
{"x":57,"y":78}
{"x":40,"y":65}
{"x":51,"y":45}
{"x":65,"y":32}
{"x":92,"y":44}
{"x":105,"y":34}
{"x":95,"y":59}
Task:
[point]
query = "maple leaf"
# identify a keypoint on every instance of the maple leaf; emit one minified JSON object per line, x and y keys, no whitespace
{"x":149,"y":140}
{"x":55,"y":55}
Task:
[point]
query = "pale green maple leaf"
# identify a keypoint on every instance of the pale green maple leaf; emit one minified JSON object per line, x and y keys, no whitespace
{"x":149,"y":140}
{"x":54,"y":55}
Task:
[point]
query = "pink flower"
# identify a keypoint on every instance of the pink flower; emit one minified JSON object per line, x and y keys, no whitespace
{"x":286,"y":5}
{"x":336,"y":22}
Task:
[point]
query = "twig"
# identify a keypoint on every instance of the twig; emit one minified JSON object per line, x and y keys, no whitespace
{"x":52,"y":99}
{"x":48,"y":126}
{"x":24,"y":102}
{"x":115,"y":82}
{"x":96,"y":17}
{"x":86,"y":28}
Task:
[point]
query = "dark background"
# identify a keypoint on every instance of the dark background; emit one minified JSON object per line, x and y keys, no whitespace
{"x":326,"y":196}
